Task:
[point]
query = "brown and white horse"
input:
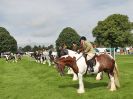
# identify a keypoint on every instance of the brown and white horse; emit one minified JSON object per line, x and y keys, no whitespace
{"x":104,"y":62}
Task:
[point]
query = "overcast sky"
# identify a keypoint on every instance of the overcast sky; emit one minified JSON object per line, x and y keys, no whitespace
{"x":41,"y":21}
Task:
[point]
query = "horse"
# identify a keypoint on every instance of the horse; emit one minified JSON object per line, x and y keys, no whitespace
{"x":45,"y":57}
{"x":77,"y":62}
{"x":36,"y":55}
{"x":18,"y":57}
{"x":53,"y":56}
{"x":10,"y":57}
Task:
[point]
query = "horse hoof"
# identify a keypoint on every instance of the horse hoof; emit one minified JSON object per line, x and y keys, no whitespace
{"x":75,"y":79}
{"x":80,"y":91}
{"x":98,"y":78}
{"x":112,"y":90}
{"x":69,"y":72}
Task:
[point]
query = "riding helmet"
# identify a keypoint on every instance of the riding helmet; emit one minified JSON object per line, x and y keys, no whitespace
{"x":82,"y":38}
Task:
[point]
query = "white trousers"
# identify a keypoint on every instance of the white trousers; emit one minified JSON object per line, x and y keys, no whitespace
{"x":90,"y":56}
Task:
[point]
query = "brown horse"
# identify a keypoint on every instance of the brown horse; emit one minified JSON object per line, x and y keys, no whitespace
{"x":104,"y":62}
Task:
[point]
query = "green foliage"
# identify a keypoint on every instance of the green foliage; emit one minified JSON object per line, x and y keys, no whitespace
{"x":7,"y":42}
{"x":67,"y":36}
{"x":35,"y":48}
{"x":50,"y":46}
{"x":114,"y":31}
{"x":27,"y":48}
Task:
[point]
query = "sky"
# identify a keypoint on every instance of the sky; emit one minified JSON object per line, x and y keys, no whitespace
{"x":33,"y":22}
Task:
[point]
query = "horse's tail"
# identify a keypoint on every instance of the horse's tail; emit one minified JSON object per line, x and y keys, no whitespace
{"x":116,"y":75}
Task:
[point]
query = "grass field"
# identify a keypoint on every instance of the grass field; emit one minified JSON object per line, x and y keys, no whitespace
{"x":30,"y":80}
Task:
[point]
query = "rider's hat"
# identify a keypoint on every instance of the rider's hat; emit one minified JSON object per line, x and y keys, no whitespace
{"x":83,"y":38}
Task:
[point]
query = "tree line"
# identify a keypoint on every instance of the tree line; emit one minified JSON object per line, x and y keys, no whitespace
{"x":29,"y":48}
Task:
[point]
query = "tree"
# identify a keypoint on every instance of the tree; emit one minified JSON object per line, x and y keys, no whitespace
{"x":7,"y":42}
{"x":67,"y":36}
{"x":114,"y":31}
{"x":35,"y":48}
{"x":50,"y":46}
{"x":27,"y":48}
{"x":39,"y":47}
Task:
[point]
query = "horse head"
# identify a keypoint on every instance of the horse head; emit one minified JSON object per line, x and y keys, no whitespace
{"x":64,"y":52}
{"x":66,"y":61}
{"x":60,"y":65}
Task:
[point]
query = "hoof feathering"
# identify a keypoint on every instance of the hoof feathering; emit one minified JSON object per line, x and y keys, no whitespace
{"x":112,"y":90}
{"x":80,"y":91}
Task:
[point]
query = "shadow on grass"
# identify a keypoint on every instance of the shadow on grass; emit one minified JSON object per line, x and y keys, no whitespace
{"x":87,"y":85}
{"x":85,"y":76}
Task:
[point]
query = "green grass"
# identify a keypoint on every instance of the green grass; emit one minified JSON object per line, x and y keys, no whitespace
{"x":30,"y":80}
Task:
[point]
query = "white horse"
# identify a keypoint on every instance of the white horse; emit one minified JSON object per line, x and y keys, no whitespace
{"x":77,"y":62}
{"x":45,"y":58}
{"x":54,"y":54}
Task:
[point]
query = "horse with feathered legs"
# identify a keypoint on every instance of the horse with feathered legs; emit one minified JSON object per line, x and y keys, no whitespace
{"x":10,"y":57}
{"x":104,"y":62}
{"x":46,"y":57}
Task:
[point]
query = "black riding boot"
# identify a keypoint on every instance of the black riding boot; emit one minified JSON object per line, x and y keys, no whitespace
{"x":90,"y":64}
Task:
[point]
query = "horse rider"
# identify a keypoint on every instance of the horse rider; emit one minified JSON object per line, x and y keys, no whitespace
{"x":88,"y":51}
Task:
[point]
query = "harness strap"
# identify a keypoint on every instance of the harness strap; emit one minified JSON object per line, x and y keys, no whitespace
{"x":79,"y":57}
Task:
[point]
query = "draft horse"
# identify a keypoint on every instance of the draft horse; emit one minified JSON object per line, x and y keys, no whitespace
{"x":10,"y":57}
{"x":104,"y":62}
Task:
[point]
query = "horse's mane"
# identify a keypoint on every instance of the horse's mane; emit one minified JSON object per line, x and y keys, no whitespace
{"x":68,"y":58}
{"x":71,"y":51}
